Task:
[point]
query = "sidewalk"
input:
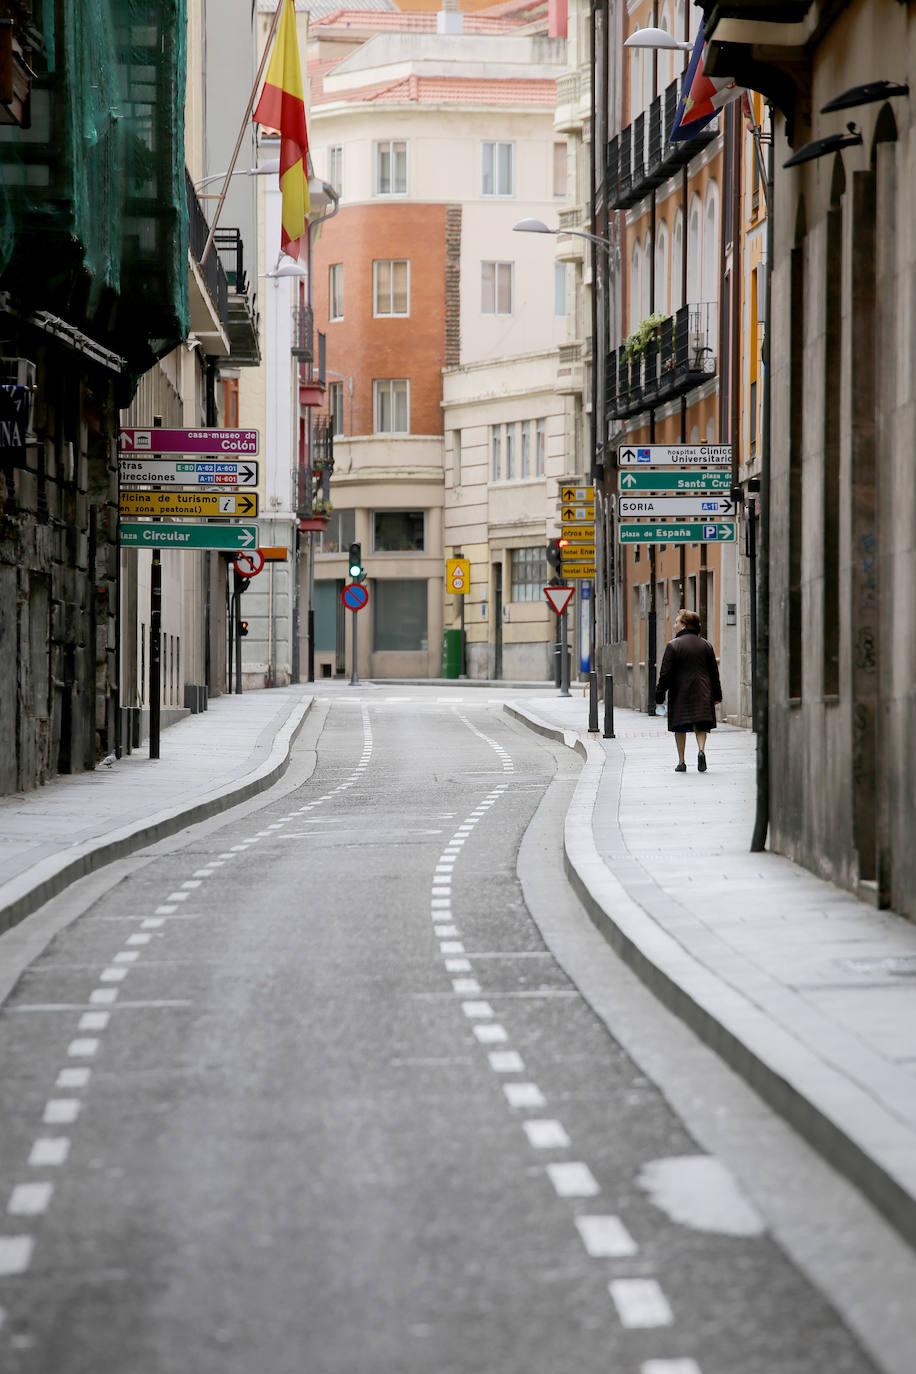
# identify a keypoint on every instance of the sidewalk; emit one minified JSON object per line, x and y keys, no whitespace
{"x":208,"y":762}
{"x":808,"y":993}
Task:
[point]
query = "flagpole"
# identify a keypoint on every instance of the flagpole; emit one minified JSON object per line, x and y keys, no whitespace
{"x":247,"y":116}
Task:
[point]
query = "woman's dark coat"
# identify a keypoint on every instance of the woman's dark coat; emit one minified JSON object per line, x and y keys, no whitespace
{"x":690,"y":676}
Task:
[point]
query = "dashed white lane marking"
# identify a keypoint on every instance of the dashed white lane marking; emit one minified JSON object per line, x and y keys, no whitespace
{"x":670,"y":1367}
{"x":573,"y":1179}
{"x":82,"y":1049}
{"x":126,"y":956}
{"x":30,"y":1199}
{"x":203,"y":873}
{"x":457,"y":965}
{"x":477,"y":1009}
{"x":465,"y":986}
{"x":113,"y":975}
{"x":49,"y":1151}
{"x":152,"y":923}
{"x":164,"y":910}
{"x":640,"y":1303}
{"x":524,"y":1095}
{"x":73,"y":1078}
{"x":445,"y":932}
{"x":178,"y":896}
{"x":15,"y":1254}
{"x":138,"y":939}
{"x":61,"y":1111}
{"x":94,"y":1021}
{"x":605,"y":1237}
{"x":103,"y":996}
{"x":451,"y":947}
{"x":191,"y":884}
{"x":490,"y":1033}
{"x":546,"y":1135}
{"x":506,"y":1061}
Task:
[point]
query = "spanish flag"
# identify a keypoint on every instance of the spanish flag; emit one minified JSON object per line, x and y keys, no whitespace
{"x":282,"y":107}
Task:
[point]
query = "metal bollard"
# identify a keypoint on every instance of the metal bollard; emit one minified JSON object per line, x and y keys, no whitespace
{"x":608,"y":706}
{"x":593,"y":703}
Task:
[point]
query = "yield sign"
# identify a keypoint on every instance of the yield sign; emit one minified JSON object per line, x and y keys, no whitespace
{"x":559,"y":597}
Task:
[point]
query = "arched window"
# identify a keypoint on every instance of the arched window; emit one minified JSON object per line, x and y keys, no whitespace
{"x":696,"y":14}
{"x":710,"y":285}
{"x":636,"y":275}
{"x":666,"y":57}
{"x":693,"y":251}
{"x":662,"y":277}
{"x":646,"y":275}
{"x":677,"y":261}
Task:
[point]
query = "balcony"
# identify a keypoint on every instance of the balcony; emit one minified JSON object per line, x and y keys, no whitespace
{"x":302,"y":345}
{"x":208,"y":288}
{"x":641,"y":157}
{"x":680,"y":357}
{"x":243,"y":321}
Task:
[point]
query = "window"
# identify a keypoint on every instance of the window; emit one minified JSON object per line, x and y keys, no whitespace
{"x":525,"y":449}
{"x":391,"y":403}
{"x":335,"y":168}
{"x":559,"y":169}
{"x":391,"y":287}
{"x":527,"y":573}
{"x":559,"y":289}
{"x":399,"y":615}
{"x":335,"y":291}
{"x":335,"y":406}
{"x":391,"y":168}
{"x":496,"y":169}
{"x":399,"y":531}
{"x":540,"y":446}
{"x":510,"y":452}
{"x":496,"y":288}
{"x":339,"y":535}
{"x":496,"y":443}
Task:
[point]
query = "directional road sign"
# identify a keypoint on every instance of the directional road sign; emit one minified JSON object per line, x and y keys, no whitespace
{"x":188,"y":536}
{"x":167,"y":472}
{"x":189,"y":505}
{"x":675,"y":455}
{"x":711,"y":507}
{"x":188,"y":441}
{"x":671,"y":533}
{"x":559,"y":597}
{"x":714,"y":479}
{"x":575,"y":496}
{"x":574,"y":513}
{"x":354,"y":596}
{"x":578,"y":532}
{"x":458,"y":575}
{"x":578,"y":570}
{"x":574,"y":553}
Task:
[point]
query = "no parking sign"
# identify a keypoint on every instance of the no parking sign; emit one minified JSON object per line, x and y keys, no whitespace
{"x":354,"y":596}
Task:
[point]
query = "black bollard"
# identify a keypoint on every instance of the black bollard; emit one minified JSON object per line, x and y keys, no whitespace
{"x":608,"y":706}
{"x":593,"y":703}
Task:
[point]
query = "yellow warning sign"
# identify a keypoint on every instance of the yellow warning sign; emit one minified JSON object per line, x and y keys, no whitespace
{"x":458,"y":575}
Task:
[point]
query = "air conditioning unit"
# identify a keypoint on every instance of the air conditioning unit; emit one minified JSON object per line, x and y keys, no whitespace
{"x":17,"y":372}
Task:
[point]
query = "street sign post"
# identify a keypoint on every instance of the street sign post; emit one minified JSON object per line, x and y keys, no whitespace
{"x":576,"y":496}
{"x":188,"y":441}
{"x":458,"y":575}
{"x":170,"y":472}
{"x":231,"y":537}
{"x":711,"y":507}
{"x":638,"y":532}
{"x":188,"y":505}
{"x":354,"y":596}
{"x":714,"y":479}
{"x":675,"y":455}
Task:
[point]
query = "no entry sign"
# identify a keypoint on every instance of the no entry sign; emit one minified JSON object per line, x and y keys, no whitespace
{"x":354,"y":596}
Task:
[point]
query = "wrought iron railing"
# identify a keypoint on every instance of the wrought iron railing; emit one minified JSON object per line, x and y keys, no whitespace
{"x":641,"y":157}
{"x":680,"y":356}
{"x":212,"y":270}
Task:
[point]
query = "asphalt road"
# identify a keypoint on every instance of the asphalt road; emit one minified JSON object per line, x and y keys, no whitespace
{"x":306,"y":1092}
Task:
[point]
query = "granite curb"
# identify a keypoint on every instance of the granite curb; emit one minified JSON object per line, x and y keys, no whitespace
{"x":26,"y":892}
{"x":850,"y":1129}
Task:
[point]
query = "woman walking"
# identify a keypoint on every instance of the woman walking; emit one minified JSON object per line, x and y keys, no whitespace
{"x":690,"y":676}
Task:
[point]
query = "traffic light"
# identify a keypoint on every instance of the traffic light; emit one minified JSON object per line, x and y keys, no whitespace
{"x":243,"y":627}
{"x":355,"y":564}
{"x":553,"y":554}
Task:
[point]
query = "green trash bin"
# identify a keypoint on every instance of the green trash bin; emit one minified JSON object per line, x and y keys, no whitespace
{"x":451,"y":653}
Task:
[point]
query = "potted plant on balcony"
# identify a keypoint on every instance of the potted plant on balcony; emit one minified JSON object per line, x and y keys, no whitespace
{"x":318,"y":518}
{"x":636,"y":343}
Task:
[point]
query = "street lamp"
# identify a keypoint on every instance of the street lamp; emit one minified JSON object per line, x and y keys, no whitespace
{"x":537,"y":226}
{"x":656,"y":38}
